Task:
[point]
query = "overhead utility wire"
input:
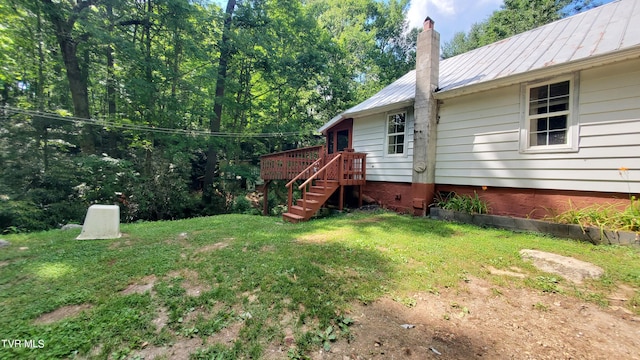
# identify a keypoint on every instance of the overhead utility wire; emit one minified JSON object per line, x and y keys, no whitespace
{"x":106,"y":123}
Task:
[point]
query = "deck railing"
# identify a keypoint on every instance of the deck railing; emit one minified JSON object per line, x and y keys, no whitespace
{"x":287,"y":165}
{"x":332,"y":166}
{"x":312,"y":163}
{"x":354,"y":168}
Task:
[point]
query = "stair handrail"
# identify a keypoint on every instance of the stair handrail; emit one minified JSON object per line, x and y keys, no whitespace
{"x":301,"y":174}
{"x":303,"y":187}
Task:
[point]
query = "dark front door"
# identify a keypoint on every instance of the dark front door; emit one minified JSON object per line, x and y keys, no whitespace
{"x":339,"y":138}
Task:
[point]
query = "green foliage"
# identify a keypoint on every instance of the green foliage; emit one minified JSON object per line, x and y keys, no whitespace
{"x":549,"y":284}
{"x":603,"y":216}
{"x":294,"y":65}
{"x":326,"y":337}
{"x":463,"y":203}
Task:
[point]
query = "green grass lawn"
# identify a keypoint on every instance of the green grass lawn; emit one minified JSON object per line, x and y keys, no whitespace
{"x":275,"y":279}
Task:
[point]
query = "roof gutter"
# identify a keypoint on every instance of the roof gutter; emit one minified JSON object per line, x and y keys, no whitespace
{"x":553,"y":70}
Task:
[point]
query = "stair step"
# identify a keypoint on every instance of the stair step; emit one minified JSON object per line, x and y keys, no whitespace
{"x":299,"y":210}
{"x":319,"y":189}
{"x":327,"y":183}
{"x":292,"y":217}
{"x":316,"y":196}
{"x":309,"y":202}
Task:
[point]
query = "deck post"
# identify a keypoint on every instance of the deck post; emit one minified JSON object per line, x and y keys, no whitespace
{"x":265,"y":198}
{"x":359,"y":196}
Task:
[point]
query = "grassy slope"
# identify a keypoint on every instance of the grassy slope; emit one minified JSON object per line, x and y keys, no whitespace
{"x":308,"y":272}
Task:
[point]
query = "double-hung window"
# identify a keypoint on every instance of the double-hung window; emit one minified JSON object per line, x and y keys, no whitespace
{"x":396,"y":131}
{"x":548,"y":117}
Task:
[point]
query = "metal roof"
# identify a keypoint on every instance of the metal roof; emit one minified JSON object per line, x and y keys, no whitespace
{"x":601,"y":31}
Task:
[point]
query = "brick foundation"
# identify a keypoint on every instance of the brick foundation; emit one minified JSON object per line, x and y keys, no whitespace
{"x":390,"y":195}
{"x":535,"y":203}
{"x":516,"y":202}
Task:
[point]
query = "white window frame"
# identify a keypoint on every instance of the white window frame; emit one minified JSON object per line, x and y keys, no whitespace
{"x":572,"y":117}
{"x":387,"y":134}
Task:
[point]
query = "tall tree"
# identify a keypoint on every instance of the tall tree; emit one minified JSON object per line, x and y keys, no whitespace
{"x":215,"y":121}
{"x":376,"y":45}
{"x":63,"y":16}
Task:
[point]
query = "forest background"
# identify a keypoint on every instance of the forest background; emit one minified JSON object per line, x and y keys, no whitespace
{"x":165,"y":106}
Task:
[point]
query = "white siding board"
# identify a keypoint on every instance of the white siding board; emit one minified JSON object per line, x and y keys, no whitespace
{"x":467,"y":136}
{"x":542,"y":174}
{"x":458,"y":120}
{"x":605,"y":141}
{"x":610,"y":94}
{"x":606,"y":106}
{"x":497,"y":123}
{"x":479,"y":138}
{"x":389,"y":178}
{"x":482,"y":101}
{"x":478,"y":148}
{"x":611,"y":76}
{"x":621,"y":152}
{"x":610,"y":128}
{"x":612,"y":115}
{"x":605,"y":164}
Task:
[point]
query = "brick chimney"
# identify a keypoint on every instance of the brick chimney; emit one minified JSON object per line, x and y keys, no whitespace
{"x":425,"y":117}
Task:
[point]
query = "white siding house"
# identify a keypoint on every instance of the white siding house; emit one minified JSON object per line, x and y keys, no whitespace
{"x":546,"y":116}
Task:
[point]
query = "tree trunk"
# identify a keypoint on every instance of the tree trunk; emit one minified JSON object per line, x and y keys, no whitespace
{"x":77,"y":80}
{"x":214,"y":122}
{"x":111,"y":86}
{"x":40,"y":123}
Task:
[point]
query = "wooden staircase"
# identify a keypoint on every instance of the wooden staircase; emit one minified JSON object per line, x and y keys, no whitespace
{"x":323,"y":177}
{"x":317,"y":196}
{"x":321,"y":173}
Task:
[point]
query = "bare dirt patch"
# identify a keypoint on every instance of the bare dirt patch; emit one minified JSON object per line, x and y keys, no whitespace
{"x":162,"y":319}
{"x":180,"y":350}
{"x":117,"y":244}
{"x":322,"y":238}
{"x":481,"y":320}
{"x":515,"y":273}
{"x":191,"y":284}
{"x":61,"y":313}
{"x":213,"y":247}
{"x":4,"y":263}
{"x":227,"y":335}
{"x":141,"y":286}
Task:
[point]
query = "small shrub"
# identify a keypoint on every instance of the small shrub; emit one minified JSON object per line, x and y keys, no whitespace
{"x":463,"y":203}
{"x":603,"y":216}
{"x":241,"y":205}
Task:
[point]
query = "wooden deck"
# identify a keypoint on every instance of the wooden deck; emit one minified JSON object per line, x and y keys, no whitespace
{"x":321,"y":175}
{"x":296,"y":164}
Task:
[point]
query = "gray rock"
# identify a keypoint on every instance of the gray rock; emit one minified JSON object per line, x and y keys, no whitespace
{"x":71,"y":226}
{"x":4,"y":243}
{"x":567,"y":267}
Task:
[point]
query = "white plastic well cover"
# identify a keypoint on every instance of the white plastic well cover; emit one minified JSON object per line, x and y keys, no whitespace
{"x":101,"y":222}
